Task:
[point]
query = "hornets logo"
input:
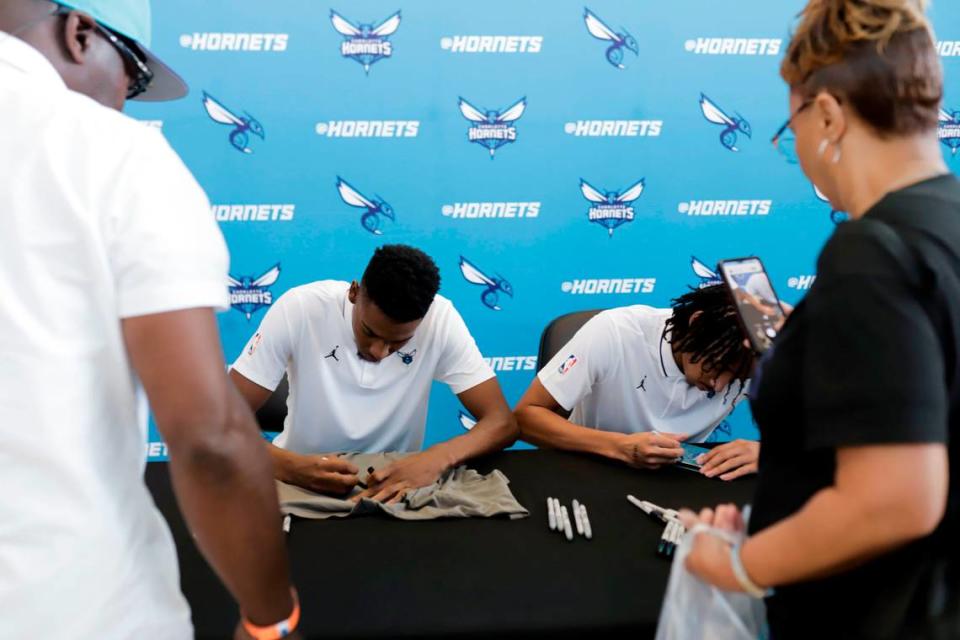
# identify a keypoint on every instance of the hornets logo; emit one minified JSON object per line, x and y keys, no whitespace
{"x":375,"y":208}
{"x":493,"y":285}
{"x":708,"y":277}
{"x":248,"y":295}
{"x":243,"y":125}
{"x":619,"y":41}
{"x":948,"y":130}
{"x":611,"y":208}
{"x":365,"y":43}
{"x":407,"y":357}
{"x":492,"y":129}
{"x":731,"y":124}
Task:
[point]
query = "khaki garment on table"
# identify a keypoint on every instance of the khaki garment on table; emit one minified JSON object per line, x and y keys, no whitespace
{"x":459,"y":493}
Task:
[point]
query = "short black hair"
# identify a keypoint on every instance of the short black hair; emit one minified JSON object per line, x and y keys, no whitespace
{"x":714,"y":337}
{"x":402,"y":281}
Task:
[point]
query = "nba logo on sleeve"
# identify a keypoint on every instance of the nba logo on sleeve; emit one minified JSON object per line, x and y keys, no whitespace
{"x":568,"y":364}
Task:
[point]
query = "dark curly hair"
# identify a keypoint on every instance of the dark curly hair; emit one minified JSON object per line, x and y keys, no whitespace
{"x":714,"y":337}
{"x":402,"y":281}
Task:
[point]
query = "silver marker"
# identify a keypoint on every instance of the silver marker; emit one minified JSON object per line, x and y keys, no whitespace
{"x":551,"y":515}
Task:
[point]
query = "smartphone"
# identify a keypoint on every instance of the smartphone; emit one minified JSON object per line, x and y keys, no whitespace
{"x":758,"y":307}
{"x":690,"y":454}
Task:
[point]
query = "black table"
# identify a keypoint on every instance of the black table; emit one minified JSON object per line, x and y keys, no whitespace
{"x":373,"y":576}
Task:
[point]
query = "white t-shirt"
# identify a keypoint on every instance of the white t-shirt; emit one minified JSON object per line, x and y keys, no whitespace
{"x":339,"y":402}
{"x":101,"y":221}
{"x":618,"y":374}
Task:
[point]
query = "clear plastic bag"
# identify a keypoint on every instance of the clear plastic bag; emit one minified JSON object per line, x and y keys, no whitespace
{"x":694,"y":610}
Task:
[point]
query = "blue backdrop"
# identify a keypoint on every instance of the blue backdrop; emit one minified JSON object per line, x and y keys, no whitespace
{"x":576,"y":157}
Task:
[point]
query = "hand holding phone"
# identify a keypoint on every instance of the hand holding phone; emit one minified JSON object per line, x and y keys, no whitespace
{"x":758,"y":308}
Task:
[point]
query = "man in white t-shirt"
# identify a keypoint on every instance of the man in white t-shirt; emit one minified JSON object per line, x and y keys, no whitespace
{"x":635,"y":382}
{"x":360,"y":359}
{"x":110,"y":268}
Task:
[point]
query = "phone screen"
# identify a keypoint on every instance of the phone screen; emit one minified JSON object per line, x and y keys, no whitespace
{"x":690,"y":454}
{"x":757,"y":304}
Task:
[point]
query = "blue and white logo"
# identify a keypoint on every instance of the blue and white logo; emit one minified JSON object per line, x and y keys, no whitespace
{"x":731,"y":124}
{"x":248,"y":294}
{"x":492,"y":129}
{"x":708,"y":277}
{"x":375,"y":207}
{"x":365,"y":43}
{"x":619,"y":40}
{"x":493,"y":285}
{"x":243,"y":125}
{"x":406,"y":357}
{"x":611,"y":208}
{"x":948,"y":130}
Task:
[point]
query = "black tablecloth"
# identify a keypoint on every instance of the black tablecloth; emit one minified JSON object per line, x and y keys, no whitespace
{"x":373,"y":576}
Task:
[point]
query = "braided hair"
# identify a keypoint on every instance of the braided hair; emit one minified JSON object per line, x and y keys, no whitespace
{"x":714,"y":337}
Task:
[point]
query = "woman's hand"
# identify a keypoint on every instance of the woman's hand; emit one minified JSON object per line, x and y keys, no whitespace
{"x":709,"y":559}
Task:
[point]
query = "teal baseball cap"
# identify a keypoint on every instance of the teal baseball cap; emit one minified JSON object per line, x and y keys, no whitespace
{"x":131,"y":19}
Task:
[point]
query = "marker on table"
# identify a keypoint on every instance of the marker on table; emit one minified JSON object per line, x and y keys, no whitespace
{"x":578,"y":517}
{"x":567,"y":529}
{"x":551,"y":516}
{"x":587,"y":529}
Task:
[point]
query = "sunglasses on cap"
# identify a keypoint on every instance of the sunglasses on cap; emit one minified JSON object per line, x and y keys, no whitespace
{"x":133,"y":58}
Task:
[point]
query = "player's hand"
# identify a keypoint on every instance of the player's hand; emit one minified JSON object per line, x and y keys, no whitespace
{"x":649,"y":450}
{"x":321,"y":473}
{"x":392,"y":483}
{"x":731,"y":460}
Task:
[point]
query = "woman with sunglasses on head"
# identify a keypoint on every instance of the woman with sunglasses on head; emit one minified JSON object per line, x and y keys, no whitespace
{"x":856,"y":519}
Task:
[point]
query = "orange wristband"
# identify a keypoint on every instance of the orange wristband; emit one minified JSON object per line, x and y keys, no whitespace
{"x":275,"y":631}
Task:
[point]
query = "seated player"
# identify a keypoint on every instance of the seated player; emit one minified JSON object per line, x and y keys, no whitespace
{"x":635,"y":382}
{"x":360,"y":358}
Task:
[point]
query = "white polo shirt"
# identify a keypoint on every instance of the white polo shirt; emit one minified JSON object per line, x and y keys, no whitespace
{"x":100,"y":221}
{"x":618,"y":374}
{"x":339,"y":402}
